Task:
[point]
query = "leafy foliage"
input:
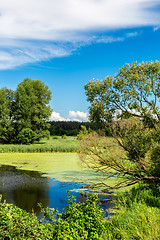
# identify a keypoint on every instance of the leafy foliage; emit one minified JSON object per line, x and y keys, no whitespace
{"x":25,"y":108}
{"x":26,"y":136}
{"x":31,"y":108}
{"x":83,"y":132}
{"x":64,"y":136}
{"x":134,"y":91}
{"x":137,"y":217}
{"x":7,"y":130}
{"x":79,"y":221}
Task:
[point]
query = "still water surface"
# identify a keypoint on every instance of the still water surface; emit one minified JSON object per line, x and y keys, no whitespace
{"x":25,"y":189}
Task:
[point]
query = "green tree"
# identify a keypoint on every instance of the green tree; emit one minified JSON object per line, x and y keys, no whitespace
{"x":31,"y":109}
{"x":6,"y":115}
{"x":130,"y":103}
{"x":134,"y":91}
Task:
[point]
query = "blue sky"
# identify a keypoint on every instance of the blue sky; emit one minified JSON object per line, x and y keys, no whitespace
{"x":65,"y":43}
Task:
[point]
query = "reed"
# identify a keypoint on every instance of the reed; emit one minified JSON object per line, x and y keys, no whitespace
{"x":46,"y":145}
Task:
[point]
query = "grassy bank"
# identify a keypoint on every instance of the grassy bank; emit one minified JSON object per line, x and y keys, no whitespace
{"x":137,"y":217}
{"x":70,"y":144}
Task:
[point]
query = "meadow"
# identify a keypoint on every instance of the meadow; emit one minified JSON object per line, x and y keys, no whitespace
{"x":53,"y":144}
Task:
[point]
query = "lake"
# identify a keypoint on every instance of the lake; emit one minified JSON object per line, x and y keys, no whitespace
{"x":26,"y":188}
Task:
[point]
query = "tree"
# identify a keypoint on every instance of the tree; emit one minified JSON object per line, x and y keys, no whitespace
{"x":134,"y":91}
{"x":6,"y":115}
{"x":24,"y":113}
{"x":31,"y":110}
{"x":130,"y":103}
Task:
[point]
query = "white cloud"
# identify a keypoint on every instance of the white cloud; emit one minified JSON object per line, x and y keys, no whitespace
{"x":78,"y":115}
{"x":38,"y":30}
{"x":51,"y":20}
{"x":56,"y":117}
{"x":73,"y":116}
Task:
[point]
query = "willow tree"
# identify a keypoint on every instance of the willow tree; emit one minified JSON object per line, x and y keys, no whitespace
{"x":129,"y":101}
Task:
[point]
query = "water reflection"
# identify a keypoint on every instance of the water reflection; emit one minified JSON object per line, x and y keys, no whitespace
{"x":26,"y":189}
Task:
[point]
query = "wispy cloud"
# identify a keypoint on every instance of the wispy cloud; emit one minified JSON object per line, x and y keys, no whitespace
{"x":108,"y":39}
{"x":43,"y":29}
{"x":132,"y":34}
{"x":17,"y":53}
{"x":156,"y":28}
{"x":73,"y":116}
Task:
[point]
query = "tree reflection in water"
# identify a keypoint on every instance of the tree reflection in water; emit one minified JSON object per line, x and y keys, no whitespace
{"x":24,"y":188}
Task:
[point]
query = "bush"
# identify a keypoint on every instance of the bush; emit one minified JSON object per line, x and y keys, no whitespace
{"x":83,"y":132}
{"x":55,"y":137}
{"x":79,"y":221}
{"x":64,"y":136}
{"x":137,"y":217}
{"x":26,"y":136}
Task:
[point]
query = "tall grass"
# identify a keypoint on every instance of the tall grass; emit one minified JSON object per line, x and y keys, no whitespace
{"x":46,"y":145}
{"x":137,"y":215}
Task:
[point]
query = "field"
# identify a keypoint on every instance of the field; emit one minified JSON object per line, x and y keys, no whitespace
{"x":52,"y":144}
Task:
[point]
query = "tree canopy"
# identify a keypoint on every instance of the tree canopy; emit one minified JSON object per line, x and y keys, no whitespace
{"x":133,"y":91}
{"x":25,"y":112}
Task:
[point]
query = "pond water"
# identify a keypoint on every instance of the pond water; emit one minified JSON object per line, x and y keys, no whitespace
{"x":25,"y":189}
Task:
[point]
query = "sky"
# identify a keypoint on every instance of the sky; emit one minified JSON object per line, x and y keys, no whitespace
{"x":66,"y":43}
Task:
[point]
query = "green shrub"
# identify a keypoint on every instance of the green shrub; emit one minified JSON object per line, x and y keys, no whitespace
{"x":79,"y":221}
{"x":64,"y":136}
{"x":55,"y":137}
{"x":83,"y":132}
{"x":26,"y":136}
{"x":16,"y":223}
{"x":137,"y":216}
{"x":155,"y":159}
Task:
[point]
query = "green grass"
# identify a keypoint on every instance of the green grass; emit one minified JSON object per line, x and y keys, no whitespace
{"x":137,"y":215}
{"x":70,"y":144}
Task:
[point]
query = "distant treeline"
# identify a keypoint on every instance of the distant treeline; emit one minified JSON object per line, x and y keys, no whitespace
{"x":70,"y":128}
